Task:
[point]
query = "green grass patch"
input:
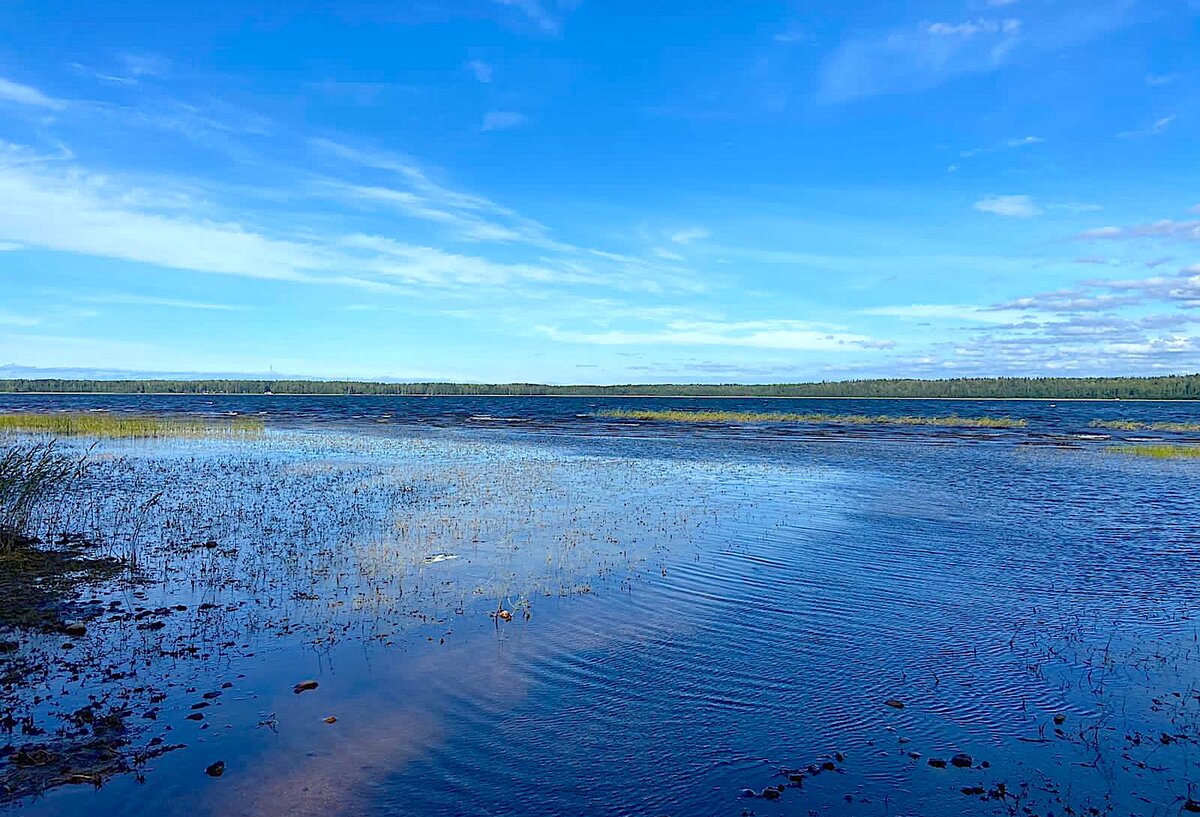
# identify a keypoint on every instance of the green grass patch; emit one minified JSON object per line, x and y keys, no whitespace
{"x":127,"y":426}
{"x":674,"y":416}
{"x":1134,"y":425}
{"x":1158,"y":452}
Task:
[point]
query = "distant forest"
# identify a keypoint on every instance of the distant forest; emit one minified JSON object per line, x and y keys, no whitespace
{"x":1174,"y":387}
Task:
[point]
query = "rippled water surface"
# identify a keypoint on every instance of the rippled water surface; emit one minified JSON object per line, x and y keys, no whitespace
{"x":695,"y":611}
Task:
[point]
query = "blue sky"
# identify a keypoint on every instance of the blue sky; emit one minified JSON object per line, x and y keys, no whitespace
{"x":601,"y":191}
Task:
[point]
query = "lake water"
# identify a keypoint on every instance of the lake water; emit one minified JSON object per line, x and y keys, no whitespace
{"x":695,"y":611}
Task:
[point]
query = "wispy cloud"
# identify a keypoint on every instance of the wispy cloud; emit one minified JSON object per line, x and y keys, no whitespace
{"x":13,"y":319}
{"x":170,"y":303}
{"x":1011,"y":206}
{"x":1155,"y":128}
{"x":482,"y":71}
{"x":788,"y":335}
{"x":917,"y":58}
{"x":547,"y":15}
{"x":26,"y":95}
{"x":144,"y":65}
{"x":1158,"y":80}
{"x":503,"y":120}
{"x":1007,"y":144}
{"x":690,"y":234}
{"x":928,"y":312}
{"x":1166,"y":228}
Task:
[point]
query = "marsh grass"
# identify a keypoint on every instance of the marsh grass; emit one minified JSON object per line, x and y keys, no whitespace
{"x":1159,"y":452}
{"x":676,"y":416}
{"x":29,"y":475}
{"x":76,"y":424}
{"x":1133,"y":425}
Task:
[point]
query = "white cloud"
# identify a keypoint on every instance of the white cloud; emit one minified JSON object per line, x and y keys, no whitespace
{"x":1158,"y":126}
{"x":972,"y":27}
{"x":690,"y":234}
{"x":503,"y":120}
{"x":1165,"y":228}
{"x":547,"y":15}
{"x":1011,"y":206}
{"x":144,"y":65}
{"x":172,"y":303}
{"x":12,"y":319}
{"x":71,"y":211}
{"x":483,"y":71}
{"x":916,"y":58}
{"x":787,"y":335}
{"x":1007,"y":144}
{"x":957,"y":312}
{"x":25,"y":95}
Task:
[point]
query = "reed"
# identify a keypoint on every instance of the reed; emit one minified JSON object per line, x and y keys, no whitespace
{"x":678,"y":416}
{"x":78,"y":424}
{"x":29,"y":474}
{"x":1158,"y":452}
{"x":1134,"y":425}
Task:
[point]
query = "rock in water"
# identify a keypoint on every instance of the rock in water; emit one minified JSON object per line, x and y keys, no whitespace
{"x":216,"y":769}
{"x":961,"y":761}
{"x":304,"y":686}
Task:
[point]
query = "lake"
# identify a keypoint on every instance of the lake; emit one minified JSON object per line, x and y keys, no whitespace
{"x":523,"y":606}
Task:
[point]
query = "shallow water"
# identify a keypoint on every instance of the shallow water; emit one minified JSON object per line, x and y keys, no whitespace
{"x":708,"y":608}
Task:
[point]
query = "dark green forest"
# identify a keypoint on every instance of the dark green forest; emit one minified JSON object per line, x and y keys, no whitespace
{"x":1174,"y":387}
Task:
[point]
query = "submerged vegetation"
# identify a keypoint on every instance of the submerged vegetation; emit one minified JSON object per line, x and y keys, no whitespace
{"x":1173,"y":387}
{"x":1159,"y":452}
{"x":951,"y":421}
{"x":1134,"y":425}
{"x":86,"y":424}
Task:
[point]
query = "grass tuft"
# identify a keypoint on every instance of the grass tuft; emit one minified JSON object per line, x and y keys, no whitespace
{"x":29,"y":474}
{"x":676,"y":416}
{"x":1134,"y":425}
{"x":1160,"y":452}
{"x":129,"y":426}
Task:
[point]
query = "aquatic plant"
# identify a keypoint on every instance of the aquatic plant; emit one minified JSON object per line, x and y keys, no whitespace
{"x":1134,"y":425}
{"x":681,"y":416}
{"x":29,"y":475}
{"x":1160,"y":452}
{"x":131,"y":426}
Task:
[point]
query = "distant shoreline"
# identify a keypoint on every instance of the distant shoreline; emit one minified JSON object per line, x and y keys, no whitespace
{"x":562,"y":395}
{"x":1167,"y":388}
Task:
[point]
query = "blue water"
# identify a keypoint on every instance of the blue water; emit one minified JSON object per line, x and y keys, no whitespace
{"x":1047,"y":420}
{"x":710,"y":610}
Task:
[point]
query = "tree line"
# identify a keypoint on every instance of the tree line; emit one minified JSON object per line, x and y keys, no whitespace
{"x":1173,"y":387}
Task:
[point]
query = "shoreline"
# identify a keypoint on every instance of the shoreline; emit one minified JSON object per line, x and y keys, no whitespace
{"x":618,"y":396}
